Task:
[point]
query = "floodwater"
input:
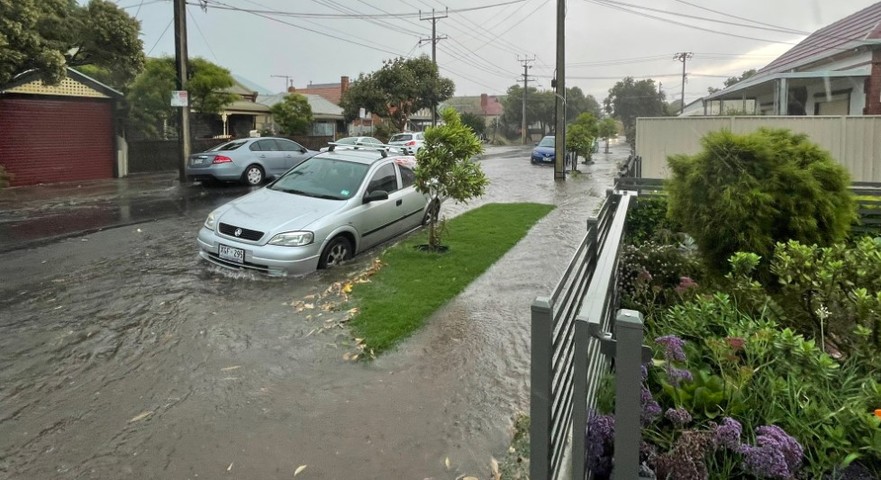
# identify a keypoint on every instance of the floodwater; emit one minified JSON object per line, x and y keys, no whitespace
{"x":124,"y":356}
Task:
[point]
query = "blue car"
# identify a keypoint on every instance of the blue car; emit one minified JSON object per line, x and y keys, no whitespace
{"x":544,"y":151}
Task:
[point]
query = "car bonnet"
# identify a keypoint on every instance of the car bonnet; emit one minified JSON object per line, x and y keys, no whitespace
{"x":272,"y":211}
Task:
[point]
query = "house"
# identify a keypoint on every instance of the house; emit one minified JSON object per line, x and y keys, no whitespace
{"x":59,"y":133}
{"x":236,"y":120}
{"x":327,"y":117}
{"x":834,"y":71}
{"x":489,"y":107}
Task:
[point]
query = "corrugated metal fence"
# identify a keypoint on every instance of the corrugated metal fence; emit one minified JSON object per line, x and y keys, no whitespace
{"x":854,"y":141}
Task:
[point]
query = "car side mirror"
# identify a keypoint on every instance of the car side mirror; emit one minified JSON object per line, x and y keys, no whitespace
{"x":536,"y":144}
{"x":375,"y":196}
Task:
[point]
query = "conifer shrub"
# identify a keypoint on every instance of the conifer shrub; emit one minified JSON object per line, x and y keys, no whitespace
{"x":745,"y":193}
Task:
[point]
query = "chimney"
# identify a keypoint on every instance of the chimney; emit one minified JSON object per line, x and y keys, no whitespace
{"x":344,"y":84}
{"x":484,"y":100}
{"x":292,"y":89}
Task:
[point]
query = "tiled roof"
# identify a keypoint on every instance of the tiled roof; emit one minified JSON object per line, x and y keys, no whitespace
{"x":836,"y":37}
{"x":321,"y":108}
{"x":330,"y":91}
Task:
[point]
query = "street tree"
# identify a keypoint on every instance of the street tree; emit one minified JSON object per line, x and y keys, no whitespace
{"x":606,"y":129}
{"x":293,"y":114}
{"x":49,"y":35}
{"x":149,"y":95}
{"x":397,"y":90}
{"x":577,"y":103}
{"x":581,"y":134}
{"x":475,"y":123}
{"x":733,"y":80}
{"x":445,"y":169}
{"x":630,"y":99}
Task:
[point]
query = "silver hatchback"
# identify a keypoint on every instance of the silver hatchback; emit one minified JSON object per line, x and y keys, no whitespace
{"x":249,"y":160}
{"x":318,"y":214}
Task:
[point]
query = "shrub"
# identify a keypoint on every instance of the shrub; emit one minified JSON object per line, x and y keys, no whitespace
{"x":648,"y":219}
{"x":656,"y":275}
{"x":748,"y":192}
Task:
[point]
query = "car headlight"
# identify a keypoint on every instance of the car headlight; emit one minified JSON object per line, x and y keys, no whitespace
{"x":209,"y":222}
{"x":292,"y":239}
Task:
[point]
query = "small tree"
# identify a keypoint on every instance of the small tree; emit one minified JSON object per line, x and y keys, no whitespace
{"x":293,"y":114}
{"x":607,"y":128}
{"x":581,"y":134}
{"x":475,"y":123}
{"x":745,"y":193}
{"x":444,"y":168}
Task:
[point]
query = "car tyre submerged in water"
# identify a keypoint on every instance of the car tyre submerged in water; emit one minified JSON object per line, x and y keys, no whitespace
{"x":253,"y":175}
{"x":337,"y":251}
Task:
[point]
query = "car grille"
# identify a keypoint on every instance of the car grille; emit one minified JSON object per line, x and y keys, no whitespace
{"x":246,"y":234}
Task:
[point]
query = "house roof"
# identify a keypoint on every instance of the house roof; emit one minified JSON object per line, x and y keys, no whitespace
{"x":332,"y":92}
{"x":854,"y":30}
{"x":75,"y":75}
{"x":321,"y":108}
{"x":471,"y":104}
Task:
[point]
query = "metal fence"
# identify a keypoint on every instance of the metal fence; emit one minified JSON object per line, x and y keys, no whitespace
{"x":566,"y":363}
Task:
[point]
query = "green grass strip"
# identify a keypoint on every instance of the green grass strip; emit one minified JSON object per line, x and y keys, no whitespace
{"x":412,"y":284}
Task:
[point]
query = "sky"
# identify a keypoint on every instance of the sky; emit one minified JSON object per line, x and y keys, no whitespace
{"x":484,"y":42}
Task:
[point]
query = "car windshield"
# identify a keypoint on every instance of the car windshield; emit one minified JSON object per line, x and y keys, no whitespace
{"x":546,"y":142}
{"x":347,"y":140}
{"x":322,"y":177}
{"x":227,"y":146}
{"x":401,"y":138}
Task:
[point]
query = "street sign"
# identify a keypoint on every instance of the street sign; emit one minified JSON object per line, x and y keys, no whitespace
{"x":179,"y":98}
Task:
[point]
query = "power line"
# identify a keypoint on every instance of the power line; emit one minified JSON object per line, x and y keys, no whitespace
{"x":160,"y":37}
{"x":738,"y":18}
{"x":199,"y":29}
{"x":357,"y":15}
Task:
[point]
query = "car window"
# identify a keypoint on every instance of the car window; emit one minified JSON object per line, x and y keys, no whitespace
{"x":546,"y":142}
{"x":227,"y":146}
{"x":323,"y":177}
{"x":401,"y":138}
{"x":256,"y":147}
{"x":384,"y":179}
{"x":372,"y":140}
{"x":288,"y":146}
{"x":407,"y":176}
{"x":347,"y":141}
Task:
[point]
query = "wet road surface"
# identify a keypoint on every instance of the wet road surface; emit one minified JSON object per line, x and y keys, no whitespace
{"x":124,"y":356}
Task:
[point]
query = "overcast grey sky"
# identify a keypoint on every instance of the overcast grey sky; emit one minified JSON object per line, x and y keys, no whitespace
{"x":605,"y":41}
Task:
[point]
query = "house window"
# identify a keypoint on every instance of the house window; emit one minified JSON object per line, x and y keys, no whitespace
{"x":836,"y":103}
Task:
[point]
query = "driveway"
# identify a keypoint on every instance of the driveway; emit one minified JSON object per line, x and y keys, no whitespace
{"x":124,"y":356}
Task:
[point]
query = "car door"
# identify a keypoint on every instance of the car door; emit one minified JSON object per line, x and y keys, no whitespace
{"x":267,"y":153}
{"x":413,"y":202}
{"x":379,"y":220}
{"x":293,"y":152}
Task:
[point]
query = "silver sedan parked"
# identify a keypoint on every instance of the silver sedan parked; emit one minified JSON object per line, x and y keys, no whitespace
{"x":249,"y":160}
{"x":318,"y":214}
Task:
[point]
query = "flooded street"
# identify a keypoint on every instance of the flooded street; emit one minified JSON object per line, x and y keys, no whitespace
{"x":122,"y":355}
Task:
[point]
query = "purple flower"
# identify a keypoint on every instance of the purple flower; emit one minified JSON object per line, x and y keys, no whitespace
{"x":679,"y":375}
{"x":650,"y":409}
{"x":679,"y":416}
{"x":599,"y":441}
{"x":685,"y":283}
{"x":776,"y":455}
{"x":673,"y":347}
{"x":728,"y":434}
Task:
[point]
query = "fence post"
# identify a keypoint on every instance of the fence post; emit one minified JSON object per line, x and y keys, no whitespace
{"x":541,"y":375}
{"x":628,"y":384}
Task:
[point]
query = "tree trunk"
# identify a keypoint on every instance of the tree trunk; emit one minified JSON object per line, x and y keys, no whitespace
{"x":607,"y":144}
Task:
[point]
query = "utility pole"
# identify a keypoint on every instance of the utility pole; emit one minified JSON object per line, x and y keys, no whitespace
{"x":683,"y":57}
{"x":524,"y":124}
{"x":181,"y":59}
{"x":434,"y":39}
{"x":560,"y":85}
{"x":288,"y":81}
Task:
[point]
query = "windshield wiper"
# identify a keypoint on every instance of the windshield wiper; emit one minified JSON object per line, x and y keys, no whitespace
{"x":293,"y":190}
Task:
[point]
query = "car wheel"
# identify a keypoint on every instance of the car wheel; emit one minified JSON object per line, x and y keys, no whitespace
{"x":253,"y":175}
{"x":337,"y":251}
{"x":432,"y":213}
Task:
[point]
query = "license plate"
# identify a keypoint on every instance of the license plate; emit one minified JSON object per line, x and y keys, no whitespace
{"x":232,"y":254}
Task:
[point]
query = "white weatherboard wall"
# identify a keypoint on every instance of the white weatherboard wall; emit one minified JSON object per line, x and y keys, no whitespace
{"x":854,"y":141}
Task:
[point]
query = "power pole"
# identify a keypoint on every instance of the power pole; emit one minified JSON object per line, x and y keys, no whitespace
{"x":524,"y":124}
{"x":288,"y":81}
{"x":181,"y":59}
{"x":434,"y":39}
{"x":560,"y":128}
{"x":683,"y":57}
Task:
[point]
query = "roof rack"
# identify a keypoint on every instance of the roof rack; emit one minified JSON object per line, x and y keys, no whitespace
{"x":381,"y":147}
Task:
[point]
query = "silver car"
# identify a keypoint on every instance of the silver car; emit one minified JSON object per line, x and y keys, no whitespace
{"x":318,"y":214}
{"x":408,"y":142}
{"x":353,"y":143}
{"x":249,"y":160}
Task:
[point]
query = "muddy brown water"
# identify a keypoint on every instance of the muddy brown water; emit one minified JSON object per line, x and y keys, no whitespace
{"x":124,"y":356}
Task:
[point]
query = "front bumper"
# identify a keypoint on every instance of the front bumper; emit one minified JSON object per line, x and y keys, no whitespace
{"x":538,"y":158}
{"x":268,"y":259}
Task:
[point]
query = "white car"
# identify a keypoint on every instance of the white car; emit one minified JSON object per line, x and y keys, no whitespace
{"x":407,"y":142}
{"x":318,"y":214}
{"x":353,"y":143}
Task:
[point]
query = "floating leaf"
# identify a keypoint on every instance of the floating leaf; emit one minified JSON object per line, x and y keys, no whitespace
{"x":229,"y":369}
{"x":447,"y":462}
{"x":494,"y":465}
{"x":309,"y":306}
{"x":347,"y":288}
{"x":141,"y":416}
{"x":229,"y":468}
{"x":299,"y":470}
